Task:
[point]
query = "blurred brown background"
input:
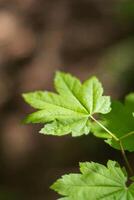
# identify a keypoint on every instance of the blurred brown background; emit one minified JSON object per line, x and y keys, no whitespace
{"x":38,"y":37}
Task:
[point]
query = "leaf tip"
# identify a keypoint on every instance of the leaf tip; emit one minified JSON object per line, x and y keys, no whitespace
{"x":24,"y":95}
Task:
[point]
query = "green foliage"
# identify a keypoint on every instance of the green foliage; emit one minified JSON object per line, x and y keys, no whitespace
{"x":71,"y":110}
{"x":119,"y":121}
{"x":95,"y":182}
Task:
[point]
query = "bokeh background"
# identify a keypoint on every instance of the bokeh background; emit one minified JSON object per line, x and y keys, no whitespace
{"x":38,"y":37}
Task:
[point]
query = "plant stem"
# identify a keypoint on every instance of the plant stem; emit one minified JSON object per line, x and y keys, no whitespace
{"x":126,"y":160}
{"x":120,"y":143}
{"x":127,"y":135}
{"x":102,"y":126}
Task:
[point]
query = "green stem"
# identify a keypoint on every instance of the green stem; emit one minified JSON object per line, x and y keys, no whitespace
{"x":127,"y":135}
{"x":120,"y":143}
{"x":102,"y":126}
{"x":126,"y":160}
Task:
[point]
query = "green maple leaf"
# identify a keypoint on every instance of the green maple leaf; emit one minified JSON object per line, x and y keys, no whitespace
{"x":95,"y":182}
{"x":68,"y":110}
{"x":120,"y":122}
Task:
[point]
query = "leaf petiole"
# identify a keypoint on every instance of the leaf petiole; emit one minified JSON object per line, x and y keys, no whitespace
{"x":101,"y":125}
{"x":127,"y":135}
{"x":120,"y":143}
{"x":126,"y":160}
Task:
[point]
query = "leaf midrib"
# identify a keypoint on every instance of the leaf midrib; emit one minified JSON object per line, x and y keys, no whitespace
{"x":103,"y":176}
{"x":58,"y":106}
{"x":110,"y":194}
{"x":78,"y":100}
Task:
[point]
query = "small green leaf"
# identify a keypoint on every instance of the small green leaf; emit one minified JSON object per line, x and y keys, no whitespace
{"x":95,"y":182}
{"x":69,"y":110}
